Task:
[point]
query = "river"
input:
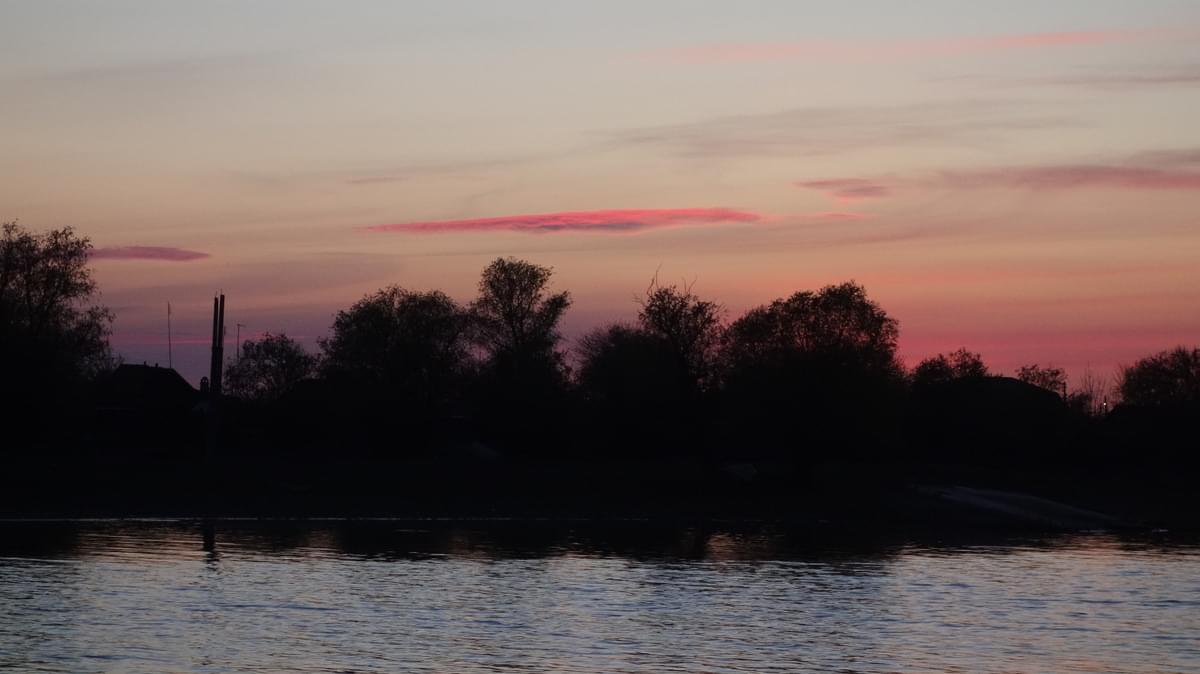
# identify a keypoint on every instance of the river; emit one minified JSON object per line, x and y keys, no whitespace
{"x":389,"y":596}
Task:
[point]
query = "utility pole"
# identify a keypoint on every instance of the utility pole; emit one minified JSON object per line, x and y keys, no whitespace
{"x":213,"y":430}
{"x":218,"y":346}
{"x":213,"y":425}
{"x":238,"y":346}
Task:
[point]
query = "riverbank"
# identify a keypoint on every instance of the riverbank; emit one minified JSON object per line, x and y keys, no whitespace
{"x":828,"y":495}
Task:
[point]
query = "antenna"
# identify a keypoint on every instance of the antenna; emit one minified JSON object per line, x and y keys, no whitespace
{"x":170,"y":361}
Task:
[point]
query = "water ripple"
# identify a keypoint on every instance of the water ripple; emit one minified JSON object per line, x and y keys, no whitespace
{"x":385,"y":597}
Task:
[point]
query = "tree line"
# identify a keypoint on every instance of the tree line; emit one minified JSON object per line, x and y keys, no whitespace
{"x":407,"y":370}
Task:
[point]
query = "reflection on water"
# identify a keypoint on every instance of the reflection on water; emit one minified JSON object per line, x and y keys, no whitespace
{"x":390,"y":596}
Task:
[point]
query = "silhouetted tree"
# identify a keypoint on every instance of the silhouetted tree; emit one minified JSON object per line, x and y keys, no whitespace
{"x":268,"y":367}
{"x":1166,"y":378}
{"x":516,"y":316}
{"x":1155,"y":422}
{"x":410,"y":343}
{"x":817,"y":368}
{"x":1048,"y":377}
{"x":942,"y":368}
{"x":1091,"y":396}
{"x":645,"y":386}
{"x":395,"y":362}
{"x":614,"y":359}
{"x":53,"y":338}
{"x":625,"y":377}
{"x":837,"y":320}
{"x":523,"y":379}
{"x":690,"y":329}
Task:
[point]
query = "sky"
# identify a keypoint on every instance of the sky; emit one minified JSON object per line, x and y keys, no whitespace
{"x":1019,"y":178}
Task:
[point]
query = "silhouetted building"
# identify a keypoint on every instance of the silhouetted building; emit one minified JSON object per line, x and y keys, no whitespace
{"x":996,"y":421}
{"x":141,"y":406}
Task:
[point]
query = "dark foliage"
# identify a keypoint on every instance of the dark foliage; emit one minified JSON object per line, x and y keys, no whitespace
{"x":54,"y":339}
{"x":411,"y":344}
{"x":1090,"y":396}
{"x":1167,"y":378}
{"x":1046,"y":376}
{"x":396,"y":361}
{"x":690,"y":330}
{"x":516,"y":317}
{"x":267,"y":368}
{"x":628,"y":382}
{"x":442,"y":408}
{"x":999,"y":422}
{"x":814,"y":373}
{"x":146,"y":409}
{"x":942,"y":368}
{"x":624,"y":365}
{"x":520,"y":393}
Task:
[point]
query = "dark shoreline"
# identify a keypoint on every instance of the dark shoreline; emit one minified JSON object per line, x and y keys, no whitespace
{"x":826,"y":497}
{"x":385,"y":538}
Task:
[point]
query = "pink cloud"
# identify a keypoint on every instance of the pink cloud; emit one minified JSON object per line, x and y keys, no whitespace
{"x":867,"y":50}
{"x":162,"y":253}
{"x":614,"y":220}
{"x":847,"y":189}
{"x":1075,"y":176}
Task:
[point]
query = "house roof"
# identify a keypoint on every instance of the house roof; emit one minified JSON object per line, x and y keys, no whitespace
{"x":145,"y":386}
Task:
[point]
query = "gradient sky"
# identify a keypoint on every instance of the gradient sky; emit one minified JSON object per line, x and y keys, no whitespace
{"x":1022,"y":178}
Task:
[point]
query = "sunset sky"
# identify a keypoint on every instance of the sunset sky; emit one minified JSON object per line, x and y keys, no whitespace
{"x":1021,"y":178}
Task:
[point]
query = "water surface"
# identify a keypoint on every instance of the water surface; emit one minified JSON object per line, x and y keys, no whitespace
{"x":436,"y":597}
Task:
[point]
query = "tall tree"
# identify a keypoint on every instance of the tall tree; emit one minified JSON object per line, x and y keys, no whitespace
{"x":393,"y":369}
{"x":1091,"y":393}
{"x":622,"y":365}
{"x":53,"y":337}
{"x":689,"y":327}
{"x":1166,"y":378}
{"x":837,"y":323}
{"x":638,"y":397}
{"x":516,"y":315}
{"x":268,"y":367}
{"x":814,"y":368}
{"x":520,"y":395}
{"x":960,"y":364}
{"x":1046,"y":376}
{"x":411,"y":344}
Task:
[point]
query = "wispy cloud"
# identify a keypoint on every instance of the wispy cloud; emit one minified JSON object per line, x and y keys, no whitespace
{"x":450,"y":169}
{"x":816,"y":131}
{"x":877,"y":50}
{"x":376,"y":180}
{"x":615,"y":220}
{"x":834,"y":215}
{"x":161,"y":253}
{"x":182,"y":80}
{"x":1169,"y":158}
{"x":1073,"y":176}
{"x":847,"y":189}
{"x":1186,"y":76}
{"x":1177,"y":169}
